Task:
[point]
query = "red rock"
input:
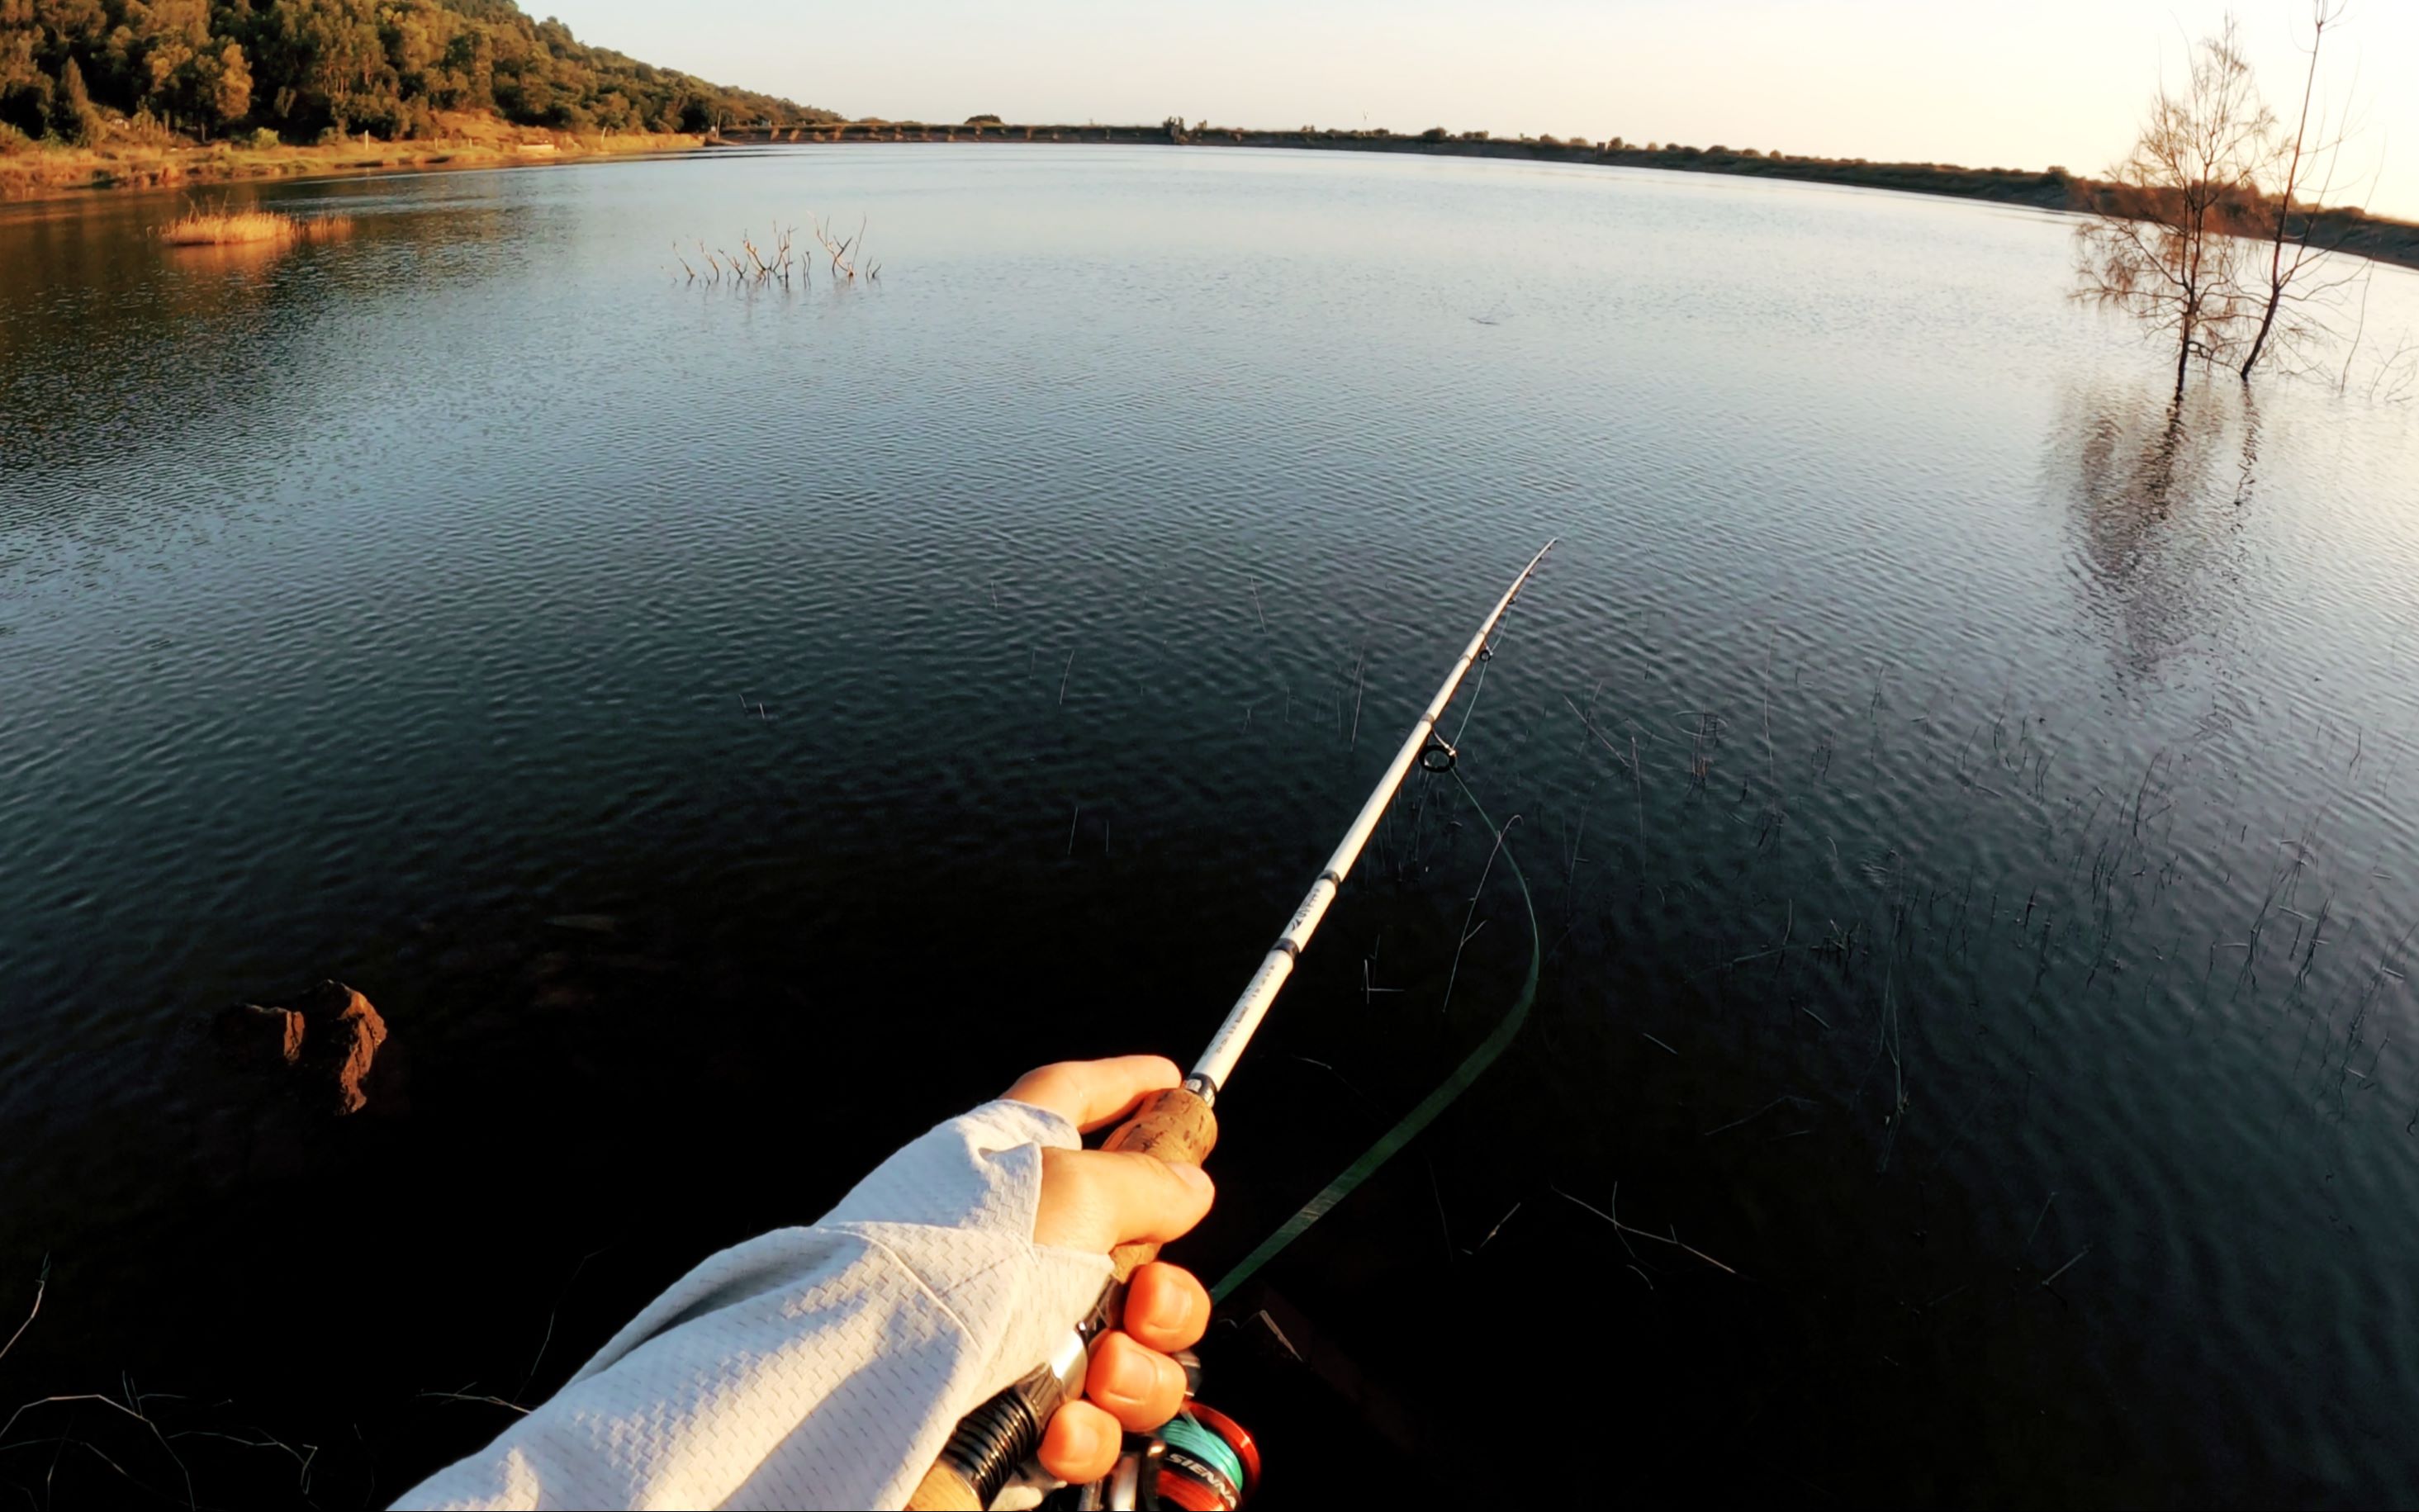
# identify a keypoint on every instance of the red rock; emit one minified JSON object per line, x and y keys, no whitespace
{"x":329,"y":1033}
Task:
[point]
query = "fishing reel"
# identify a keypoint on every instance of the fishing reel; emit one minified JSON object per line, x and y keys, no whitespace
{"x":1201,"y":1460}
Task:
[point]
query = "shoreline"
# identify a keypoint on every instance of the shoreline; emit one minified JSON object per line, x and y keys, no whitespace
{"x":57,"y":174}
{"x":2352,"y":232}
{"x":49,"y":174}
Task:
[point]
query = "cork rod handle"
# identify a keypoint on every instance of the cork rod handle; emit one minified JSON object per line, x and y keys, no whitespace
{"x":1175,"y":1126}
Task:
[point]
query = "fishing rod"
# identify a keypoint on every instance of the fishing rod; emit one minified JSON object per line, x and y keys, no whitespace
{"x":1201,"y":1459}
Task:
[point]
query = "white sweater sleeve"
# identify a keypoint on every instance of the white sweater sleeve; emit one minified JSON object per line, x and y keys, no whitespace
{"x":813,"y":1368}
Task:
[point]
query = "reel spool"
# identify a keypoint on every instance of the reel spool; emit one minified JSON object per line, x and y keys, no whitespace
{"x":1208,"y":1462}
{"x":1200,"y":1461}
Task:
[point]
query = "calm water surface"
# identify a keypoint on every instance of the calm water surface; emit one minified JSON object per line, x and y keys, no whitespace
{"x":1967,"y":802}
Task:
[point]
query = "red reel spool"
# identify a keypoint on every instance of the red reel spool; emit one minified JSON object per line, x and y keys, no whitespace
{"x":1185,"y":1482}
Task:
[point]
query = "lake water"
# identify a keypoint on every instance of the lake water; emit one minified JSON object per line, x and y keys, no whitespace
{"x":1968,"y":805}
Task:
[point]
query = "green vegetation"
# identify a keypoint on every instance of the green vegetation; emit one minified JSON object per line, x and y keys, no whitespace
{"x":71,"y":71}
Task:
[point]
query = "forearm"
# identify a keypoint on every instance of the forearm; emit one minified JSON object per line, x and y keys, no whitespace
{"x":818,"y":1367}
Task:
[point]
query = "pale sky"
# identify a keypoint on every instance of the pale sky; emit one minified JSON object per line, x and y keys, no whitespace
{"x":1951,"y":81}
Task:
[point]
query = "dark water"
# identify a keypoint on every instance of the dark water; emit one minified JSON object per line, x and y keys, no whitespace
{"x":1993,"y":957}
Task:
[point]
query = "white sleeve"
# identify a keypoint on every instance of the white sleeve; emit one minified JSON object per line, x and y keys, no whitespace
{"x":813,"y":1368}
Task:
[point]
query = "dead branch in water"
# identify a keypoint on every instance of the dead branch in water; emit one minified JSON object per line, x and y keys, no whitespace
{"x":838,"y":249}
{"x":478,"y":1398}
{"x":760,"y":267}
{"x":1672,"y":1238}
{"x":846,"y":253}
{"x":41,"y":1284}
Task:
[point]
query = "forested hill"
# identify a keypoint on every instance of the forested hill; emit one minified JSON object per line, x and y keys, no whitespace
{"x":303,"y":68}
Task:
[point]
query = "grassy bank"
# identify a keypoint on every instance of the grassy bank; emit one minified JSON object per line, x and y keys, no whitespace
{"x":2050,"y":189}
{"x":39,"y":170}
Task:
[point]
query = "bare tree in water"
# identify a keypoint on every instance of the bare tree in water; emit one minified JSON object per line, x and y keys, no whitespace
{"x":2164,"y":243}
{"x":2291,"y":225}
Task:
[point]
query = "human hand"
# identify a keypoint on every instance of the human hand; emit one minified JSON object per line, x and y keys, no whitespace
{"x":1097,"y":1200}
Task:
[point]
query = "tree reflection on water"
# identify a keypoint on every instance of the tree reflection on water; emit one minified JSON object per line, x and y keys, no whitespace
{"x":2158,"y":488}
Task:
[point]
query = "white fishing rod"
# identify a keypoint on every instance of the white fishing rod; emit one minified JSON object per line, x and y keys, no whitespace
{"x":994,"y":1441}
{"x":1423,"y":746}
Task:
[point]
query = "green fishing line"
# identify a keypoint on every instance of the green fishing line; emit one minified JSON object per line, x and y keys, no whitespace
{"x":1184,"y":1434}
{"x":1403,"y":1132}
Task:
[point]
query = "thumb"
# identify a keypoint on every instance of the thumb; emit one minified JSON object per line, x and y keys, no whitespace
{"x":1097,"y":1200}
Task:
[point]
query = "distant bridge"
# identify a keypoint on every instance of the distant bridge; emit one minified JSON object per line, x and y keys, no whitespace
{"x":922,"y":132}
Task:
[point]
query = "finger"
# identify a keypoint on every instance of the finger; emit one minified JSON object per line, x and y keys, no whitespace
{"x":1097,"y":1200}
{"x":1081,"y":1444}
{"x":1166,"y":1307}
{"x":1140,"y":1388}
{"x":1091,"y":1093}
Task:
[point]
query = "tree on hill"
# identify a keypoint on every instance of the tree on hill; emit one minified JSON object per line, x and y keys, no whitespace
{"x":231,"y":85}
{"x":73,"y":119}
{"x":302,"y":66}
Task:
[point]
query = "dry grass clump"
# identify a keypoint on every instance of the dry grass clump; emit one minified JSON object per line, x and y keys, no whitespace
{"x":225,"y":228}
